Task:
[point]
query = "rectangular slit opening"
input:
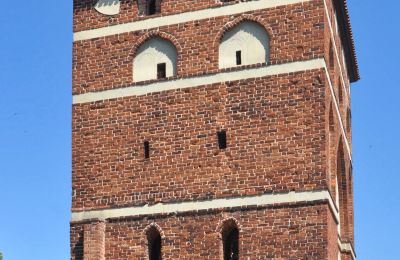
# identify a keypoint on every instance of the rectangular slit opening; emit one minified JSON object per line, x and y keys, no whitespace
{"x":238,"y":57}
{"x":146,"y":149}
{"x":151,"y":7}
{"x":161,"y":71}
{"x":222,"y":144}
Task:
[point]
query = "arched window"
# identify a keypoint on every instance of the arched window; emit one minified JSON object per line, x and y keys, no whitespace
{"x":245,"y":44}
{"x":230,"y":240}
{"x":154,"y":243}
{"x":155,"y":59}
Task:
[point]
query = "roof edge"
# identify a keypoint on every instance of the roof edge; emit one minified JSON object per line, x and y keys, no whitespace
{"x":348,"y":40}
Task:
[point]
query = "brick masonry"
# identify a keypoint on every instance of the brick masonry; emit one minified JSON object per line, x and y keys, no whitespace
{"x":285,"y":133}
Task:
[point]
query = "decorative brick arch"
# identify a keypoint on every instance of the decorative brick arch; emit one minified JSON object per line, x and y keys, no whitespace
{"x":243,"y":18}
{"x":151,"y":226}
{"x":145,"y":240}
{"x":152,"y":34}
{"x":222,"y":224}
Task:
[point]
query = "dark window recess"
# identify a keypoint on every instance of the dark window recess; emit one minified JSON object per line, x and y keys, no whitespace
{"x":331,"y":58}
{"x":146,"y":149}
{"x":340,"y":92}
{"x":161,"y":71}
{"x":151,"y":7}
{"x":231,"y":245}
{"x":154,"y":243}
{"x":238,"y":57}
{"x":222,"y":139}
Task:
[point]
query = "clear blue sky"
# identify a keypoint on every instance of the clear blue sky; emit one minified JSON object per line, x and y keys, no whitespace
{"x":35,"y":119}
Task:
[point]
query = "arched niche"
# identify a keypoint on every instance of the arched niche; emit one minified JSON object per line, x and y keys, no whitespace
{"x":155,"y":59}
{"x":244,"y":44}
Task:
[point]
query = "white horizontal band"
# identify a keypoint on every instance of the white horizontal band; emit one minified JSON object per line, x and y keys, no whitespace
{"x":182,"y":18}
{"x":181,"y":207}
{"x":200,"y":80}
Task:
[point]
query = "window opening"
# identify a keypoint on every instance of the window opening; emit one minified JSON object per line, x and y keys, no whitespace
{"x":154,"y":245}
{"x":222,"y":139}
{"x":151,"y":7}
{"x":146,"y":149}
{"x":161,"y":71}
{"x":231,"y":243}
{"x":238,"y":57}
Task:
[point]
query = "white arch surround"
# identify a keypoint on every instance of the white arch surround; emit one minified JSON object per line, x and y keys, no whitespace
{"x":248,"y":37}
{"x":153,"y":52}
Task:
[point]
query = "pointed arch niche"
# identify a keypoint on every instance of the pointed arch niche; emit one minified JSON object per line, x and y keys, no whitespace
{"x":155,"y":59}
{"x":246,"y":43}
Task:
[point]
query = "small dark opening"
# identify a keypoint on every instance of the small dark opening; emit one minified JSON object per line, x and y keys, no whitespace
{"x":340,"y":92}
{"x":238,"y":57}
{"x":151,"y":7}
{"x":146,"y":149}
{"x":222,"y":139}
{"x":231,"y":245}
{"x":161,"y":71}
{"x":155,"y":246}
{"x":331,"y":58}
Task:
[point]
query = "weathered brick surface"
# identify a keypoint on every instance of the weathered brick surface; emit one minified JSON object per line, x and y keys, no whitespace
{"x":107,"y":62}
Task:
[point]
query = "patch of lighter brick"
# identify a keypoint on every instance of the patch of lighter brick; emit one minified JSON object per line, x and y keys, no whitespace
{"x":285,"y":68}
{"x":179,"y":207}
{"x":182,"y":18}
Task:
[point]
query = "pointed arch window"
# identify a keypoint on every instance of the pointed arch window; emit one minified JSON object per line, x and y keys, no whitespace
{"x":230,"y":241}
{"x":154,"y":243}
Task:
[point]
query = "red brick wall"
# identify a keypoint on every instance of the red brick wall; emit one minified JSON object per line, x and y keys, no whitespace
{"x":275,"y":142}
{"x":277,"y":127}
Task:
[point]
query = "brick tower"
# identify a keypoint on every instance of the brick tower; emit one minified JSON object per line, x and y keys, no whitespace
{"x":212,"y":129}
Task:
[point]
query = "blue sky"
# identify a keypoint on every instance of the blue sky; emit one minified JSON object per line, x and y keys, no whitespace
{"x":35,"y":139}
